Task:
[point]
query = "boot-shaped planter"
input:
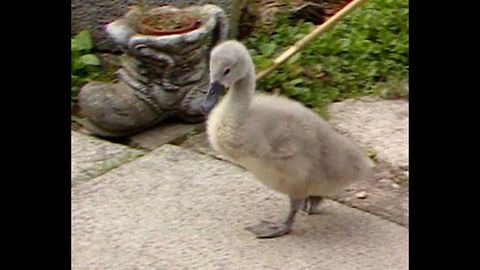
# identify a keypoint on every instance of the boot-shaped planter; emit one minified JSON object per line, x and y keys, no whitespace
{"x":164,"y":70}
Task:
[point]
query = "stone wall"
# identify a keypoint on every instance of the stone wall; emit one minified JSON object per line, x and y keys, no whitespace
{"x":96,"y":14}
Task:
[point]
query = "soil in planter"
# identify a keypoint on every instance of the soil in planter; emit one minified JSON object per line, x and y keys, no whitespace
{"x":168,"y":22}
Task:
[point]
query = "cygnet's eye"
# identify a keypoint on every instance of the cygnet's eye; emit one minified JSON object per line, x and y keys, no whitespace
{"x":226,"y":71}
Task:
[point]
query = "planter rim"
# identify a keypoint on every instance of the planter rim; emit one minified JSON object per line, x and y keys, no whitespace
{"x":193,"y":23}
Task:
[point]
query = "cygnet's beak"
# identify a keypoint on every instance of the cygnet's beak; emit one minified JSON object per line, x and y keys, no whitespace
{"x":215,"y":91}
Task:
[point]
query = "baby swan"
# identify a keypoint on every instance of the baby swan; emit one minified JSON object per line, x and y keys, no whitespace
{"x":284,"y":144}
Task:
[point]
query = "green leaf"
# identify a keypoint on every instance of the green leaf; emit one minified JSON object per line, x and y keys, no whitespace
{"x":77,"y":81}
{"x":318,"y":68}
{"x":90,"y":60}
{"x":267,"y":49}
{"x":296,"y":81}
{"x":74,"y":46}
{"x":294,"y":70}
{"x":262,"y":62}
{"x":77,"y":65}
{"x":294,"y":58}
{"x":82,"y":41}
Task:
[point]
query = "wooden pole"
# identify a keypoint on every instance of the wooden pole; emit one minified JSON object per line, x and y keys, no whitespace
{"x":311,"y":36}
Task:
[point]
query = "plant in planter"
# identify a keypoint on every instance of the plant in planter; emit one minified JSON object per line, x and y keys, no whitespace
{"x":164,"y":70}
{"x":161,"y":24}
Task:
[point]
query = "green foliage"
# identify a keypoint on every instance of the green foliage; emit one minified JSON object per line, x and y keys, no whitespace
{"x":368,"y":47}
{"x":85,"y":65}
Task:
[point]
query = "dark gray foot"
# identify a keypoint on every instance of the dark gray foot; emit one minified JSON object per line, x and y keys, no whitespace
{"x":268,"y":229}
{"x":310,"y":205}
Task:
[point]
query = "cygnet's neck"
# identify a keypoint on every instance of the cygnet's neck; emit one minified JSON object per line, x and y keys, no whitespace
{"x":238,"y":98}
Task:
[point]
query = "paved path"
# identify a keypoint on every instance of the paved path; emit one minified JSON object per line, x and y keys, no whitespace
{"x":177,"y":209}
{"x":92,"y":157}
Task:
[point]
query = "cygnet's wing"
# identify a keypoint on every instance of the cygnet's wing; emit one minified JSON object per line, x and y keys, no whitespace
{"x":281,"y":146}
{"x":279,"y":127}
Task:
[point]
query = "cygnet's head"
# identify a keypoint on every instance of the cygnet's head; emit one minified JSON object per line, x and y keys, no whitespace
{"x":229,"y":63}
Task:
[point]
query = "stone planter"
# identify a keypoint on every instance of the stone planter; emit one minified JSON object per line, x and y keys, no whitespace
{"x":160,"y":76}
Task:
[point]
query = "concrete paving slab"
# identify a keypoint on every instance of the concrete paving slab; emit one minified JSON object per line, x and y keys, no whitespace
{"x":199,"y":143}
{"x":168,"y":132}
{"x":177,"y":209}
{"x":381,"y":125}
{"x":92,"y":156}
{"x":375,"y":123}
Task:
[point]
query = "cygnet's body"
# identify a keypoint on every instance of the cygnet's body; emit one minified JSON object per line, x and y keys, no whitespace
{"x":284,"y":144}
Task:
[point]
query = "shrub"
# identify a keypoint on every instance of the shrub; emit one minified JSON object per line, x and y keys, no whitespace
{"x":367,"y":48}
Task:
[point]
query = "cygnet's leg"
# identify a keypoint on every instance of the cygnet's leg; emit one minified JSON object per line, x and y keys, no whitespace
{"x":311,"y":203}
{"x":268,"y":229}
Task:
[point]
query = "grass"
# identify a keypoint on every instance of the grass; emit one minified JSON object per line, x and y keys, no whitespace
{"x":364,"y":54}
